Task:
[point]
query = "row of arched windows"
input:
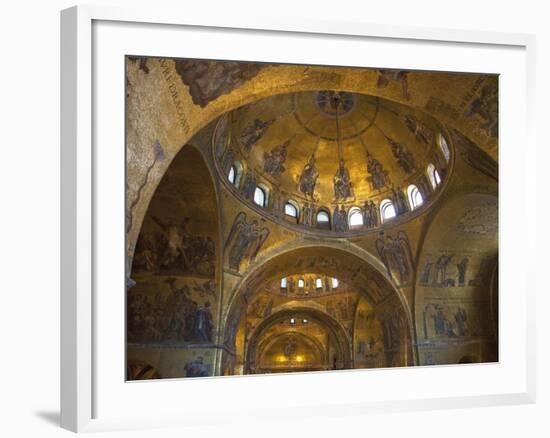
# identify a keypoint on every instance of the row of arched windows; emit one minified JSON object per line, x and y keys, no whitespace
{"x":355,"y":214}
{"x":318,"y":283}
{"x":387,"y":208}
{"x":261,"y":192}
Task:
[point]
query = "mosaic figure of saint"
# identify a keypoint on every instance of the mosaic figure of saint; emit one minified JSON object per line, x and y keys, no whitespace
{"x":307,"y":214}
{"x":340,"y":219}
{"x":308,"y":178}
{"x":440,"y":276}
{"x":274,"y":161}
{"x":342,"y":183}
{"x":378,"y":176}
{"x":404,"y":158}
{"x":249,"y":185}
{"x":202,"y":328}
{"x":253,"y":133}
{"x":370,"y":214}
{"x":419,"y":129}
{"x":196,"y":368}
{"x":462,"y":267}
{"x":399,"y":201}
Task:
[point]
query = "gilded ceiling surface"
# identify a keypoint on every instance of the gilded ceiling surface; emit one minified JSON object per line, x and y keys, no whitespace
{"x":287,"y":218}
{"x":305,"y":128}
{"x":170,"y":100}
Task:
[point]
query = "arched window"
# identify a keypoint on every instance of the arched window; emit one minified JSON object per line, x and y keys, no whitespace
{"x":301,"y":283}
{"x":232,"y":174}
{"x":334,"y":283}
{"x":291,"y":209}
{"x":433,"y":176}
{"x":355,"y":217}
{"x":387,"y":210}
{"x":235,"y":173}
{"x":323,"y":219}
{"x":444,"y":147}
{"x":319,"y":283}
{"x":415,"y":197}
{"x":284,"y":283}
{"x":437,"y":178}
{"x":260,"y":196}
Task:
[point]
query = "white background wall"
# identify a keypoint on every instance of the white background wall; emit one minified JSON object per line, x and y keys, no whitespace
{"x":29,"y":216}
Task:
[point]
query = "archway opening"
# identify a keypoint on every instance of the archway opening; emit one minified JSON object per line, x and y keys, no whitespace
{"x":328,"y":307}
{"x":297,"y":339}
{"x":173,"y":305}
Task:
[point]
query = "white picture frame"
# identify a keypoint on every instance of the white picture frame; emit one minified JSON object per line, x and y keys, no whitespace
{"x":84,"y":174}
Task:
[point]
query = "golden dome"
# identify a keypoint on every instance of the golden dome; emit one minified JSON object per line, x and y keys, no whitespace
{"x":328,"y":150}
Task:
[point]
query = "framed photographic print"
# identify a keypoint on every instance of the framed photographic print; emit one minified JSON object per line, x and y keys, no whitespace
{"x":306,"y":217}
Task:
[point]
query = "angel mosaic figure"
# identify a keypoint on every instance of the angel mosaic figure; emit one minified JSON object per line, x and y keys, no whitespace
{"x":398,"y":76}
{"x":486,"y":107}
{"x":396,"y":256}
{"x":245,"y":240}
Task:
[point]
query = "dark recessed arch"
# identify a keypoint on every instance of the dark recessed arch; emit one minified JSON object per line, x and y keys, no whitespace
{"x":336,"y":329}
{"x":269,"y":345}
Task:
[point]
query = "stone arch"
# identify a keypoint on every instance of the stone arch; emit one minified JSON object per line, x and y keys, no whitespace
{"x":347,"y":248}
{"x":264,"y":267}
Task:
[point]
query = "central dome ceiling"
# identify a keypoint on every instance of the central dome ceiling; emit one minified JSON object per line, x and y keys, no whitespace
{"x":330,"y":149}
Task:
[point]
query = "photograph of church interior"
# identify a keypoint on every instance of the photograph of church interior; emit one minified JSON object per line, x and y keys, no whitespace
{"x":291,"y":218}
